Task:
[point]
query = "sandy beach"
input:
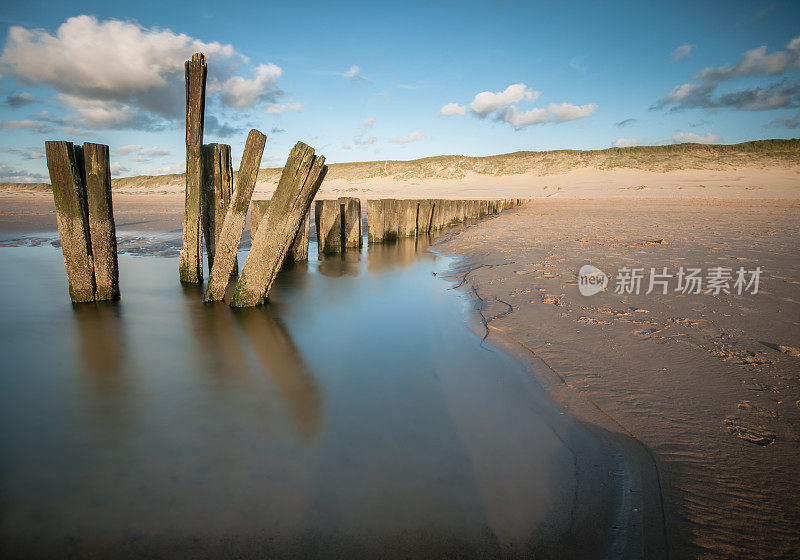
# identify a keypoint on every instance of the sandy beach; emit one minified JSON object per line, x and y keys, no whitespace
{"x":708,"y":383}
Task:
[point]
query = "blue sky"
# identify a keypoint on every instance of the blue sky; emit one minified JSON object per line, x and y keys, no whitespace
{"x":374,"y":81}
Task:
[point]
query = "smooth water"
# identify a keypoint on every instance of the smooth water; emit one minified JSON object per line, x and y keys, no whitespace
{"x":355,"y":415}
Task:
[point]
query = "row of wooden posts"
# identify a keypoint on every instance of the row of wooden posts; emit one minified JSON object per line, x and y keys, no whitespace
{"x":216,"y":208}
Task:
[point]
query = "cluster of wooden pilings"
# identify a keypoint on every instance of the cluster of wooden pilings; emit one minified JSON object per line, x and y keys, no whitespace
{"x":215,"y":211}
{"x":216,"y":208}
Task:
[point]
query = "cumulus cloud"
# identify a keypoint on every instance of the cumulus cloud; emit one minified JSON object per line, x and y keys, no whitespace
{"x":681,"y":52}
{"x":627,"y":142}
{"x":241,"y":93}
{"x":680,"y":137}
{"x":280,"y":108}
{"x":487,"y":101}
{"x":20,"y":99}
{"x":503,"y":105}
{"x":214,"y":127}
{"x":354,"y":74}
{"x":518,"y":119}
{"x":26,"y":124}
{"x":361,"y":141}
{"x":752,"y":64}
{"x":785,"y":121}
{"x":27,"y":153}
{"x":117,"y":169}
{"x":453,"y":109}
{"x":142,"y":153}
{"x":10,"y":174}
{"x":368,"y":123}
{"x":563,"y":112}
{"x":412,"y":137}
{"x":136,"y":79}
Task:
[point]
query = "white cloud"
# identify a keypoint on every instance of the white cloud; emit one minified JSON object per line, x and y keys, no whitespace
{"x":368,"y":123}
{"x":680,"y":137}
{"x":361,"y":141}
{"x":563,"y":112}
{"x":503,"y":105}
{"x":413,"y":137}
{"x":681,"y":52}
{"x":518,"y":119}
{"x":627,"y":142}
{"x":119,"y":74}
{"x":453,"y":109}
{"x":487,"y":101}
{"x":354,"y":74}
{"x":280,"y":108}
{"x":26,"y":124}
{"x":117,"y":169}
{"x":10,"y":174}
{"x":756,"y":62}
{"x":346,"y":146}
{"x":242,"y":93}
{"x":125,"y":150}
{"x":27,"y":153}
{"x":102,"y":113}
{"x":169,"y":169}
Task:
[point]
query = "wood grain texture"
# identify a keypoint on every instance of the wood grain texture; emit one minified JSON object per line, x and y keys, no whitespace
{"x":102,"y":230}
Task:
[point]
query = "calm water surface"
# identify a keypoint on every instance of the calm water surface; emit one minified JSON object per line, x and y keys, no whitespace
{"x":355,"y":415}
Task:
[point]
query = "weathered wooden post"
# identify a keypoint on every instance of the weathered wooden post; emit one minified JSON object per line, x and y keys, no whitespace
{"x":351,"y":221}
{"x":233,"y":227}
{"x":191,"y":256}
{"x":66,"y":178}
{"x":328,"y":219}
{"x":406,"y":217}
{"x":390,"y":219}
{"x":102,"y":229}
{"x":375,"y":226}
{"x":216,"y":195}
{"x":301,"y":178}
{"x":424,"y":215}
{"x":299,"y":249}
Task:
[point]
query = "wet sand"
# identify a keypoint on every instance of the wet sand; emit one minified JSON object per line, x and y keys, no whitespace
{"x":710,"y":384}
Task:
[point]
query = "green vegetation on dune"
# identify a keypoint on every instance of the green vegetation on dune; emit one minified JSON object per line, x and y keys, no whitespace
{"x":759,"y":153}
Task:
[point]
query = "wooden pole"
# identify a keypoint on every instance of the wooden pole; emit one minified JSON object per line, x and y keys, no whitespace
{"x":328,"y":219}
{"x":216,"y":195}
{"x":299,"y":250}
{"x":233,"y":226}
{"x":102,"y":231}
{"x":191,"y":256}
{"x":66,"y":178}
{"x":301,"y":178}
{"x":406,"y":217}
{"x":424,"y":215}
{"x":390,"y":219}
{"x":351,"y":221}
{"x":375,"y":226}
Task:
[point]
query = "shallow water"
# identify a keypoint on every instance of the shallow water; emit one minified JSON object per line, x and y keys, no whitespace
{"x":357,"y":414}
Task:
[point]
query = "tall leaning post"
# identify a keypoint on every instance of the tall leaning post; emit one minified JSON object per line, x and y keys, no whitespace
{"x":298,"y":252}
{"x":216,"y":193}
{"x":102,"y":229}
{"x":233,"y":227}
{"x":300,"y":180}
{"x":66,"y":178}
{"x":191,"y":257}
